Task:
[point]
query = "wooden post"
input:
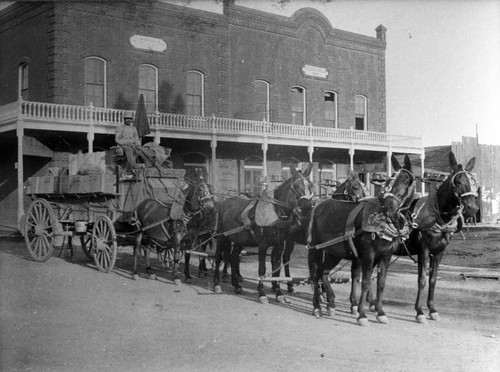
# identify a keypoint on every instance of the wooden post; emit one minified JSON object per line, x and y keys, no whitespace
{"x":90,"y":134}
{"x":389,"y":167}
{"x":20,"y":167}
{"x":422,"y":158}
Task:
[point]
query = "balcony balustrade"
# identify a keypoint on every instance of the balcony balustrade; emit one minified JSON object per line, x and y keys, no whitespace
{"x":36,"y":115}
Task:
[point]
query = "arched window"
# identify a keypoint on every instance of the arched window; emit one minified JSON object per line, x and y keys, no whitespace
{"x":24,"y":81}
{"x":95,"y":81}
{"x":196,"y":165}
{"x":298,"y":99}
{"x":194,"y":93}
{"x":331,"y":109}
{"x":148,"y":86}
{"x":261,"y":100}
{"x":360,"y":112}
{"x":253,"y":175}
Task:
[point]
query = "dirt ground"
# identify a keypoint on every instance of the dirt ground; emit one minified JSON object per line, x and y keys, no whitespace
{"x":64,"y":315}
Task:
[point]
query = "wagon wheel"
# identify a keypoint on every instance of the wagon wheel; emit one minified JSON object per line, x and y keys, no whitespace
{"x":39,"y":230}
{"x":86,"y":242}
{"x":103,"y":243}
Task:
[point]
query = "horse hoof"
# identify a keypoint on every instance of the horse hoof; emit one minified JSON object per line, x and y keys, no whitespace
{"x":421,"y":319}
{"x":330,"y":311}
{"x":152,"y":276}
{"x":382,"y":319}
{"x":291,"y":289}
{"x":363,"y":322}
{"x":135,"y":277}
{"x":263,"y":300}
{"x":317,"y":313}
{"x":354,"y":310}
{"x":434,"y":316}
{"x":177,"y":282}
{"x":372,"y":308}
{"x":217,"y":289}
{"x":188,"y":280}
{"x":238,"y":291}
{"x":281,"y":299}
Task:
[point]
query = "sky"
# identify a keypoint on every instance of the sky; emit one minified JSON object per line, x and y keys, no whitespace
{"x":442,"y":60}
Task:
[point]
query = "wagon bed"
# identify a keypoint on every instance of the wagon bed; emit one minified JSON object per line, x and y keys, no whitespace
{"x":90,"y":207}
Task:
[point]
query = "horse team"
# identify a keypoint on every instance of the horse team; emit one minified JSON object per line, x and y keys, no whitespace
{"x":349,"y":226}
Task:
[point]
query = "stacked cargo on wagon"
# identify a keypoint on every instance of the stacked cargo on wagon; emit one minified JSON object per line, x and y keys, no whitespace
{"x":92,"y":199}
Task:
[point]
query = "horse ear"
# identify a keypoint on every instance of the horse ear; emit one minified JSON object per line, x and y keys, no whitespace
{"x":453,"y":162}
{"x":308,"y":170}
{"x":407,"y":165}
{"x":470,"y":164}
{"x":395,"y":163}
{"x":293,"y":170}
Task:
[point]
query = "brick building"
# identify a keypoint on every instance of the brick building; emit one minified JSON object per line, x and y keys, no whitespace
{"x":238,"y":96}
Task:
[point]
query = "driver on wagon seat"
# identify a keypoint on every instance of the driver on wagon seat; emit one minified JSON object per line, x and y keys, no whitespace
{"x":127,"y":138}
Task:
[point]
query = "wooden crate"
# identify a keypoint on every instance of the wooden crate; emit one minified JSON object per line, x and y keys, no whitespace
{"x":32,"y":186}
{"x":102,"y":183}
{"x":87,"y":163}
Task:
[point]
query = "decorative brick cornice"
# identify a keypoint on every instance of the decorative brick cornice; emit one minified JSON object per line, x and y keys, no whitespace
{"x":303,"y":18}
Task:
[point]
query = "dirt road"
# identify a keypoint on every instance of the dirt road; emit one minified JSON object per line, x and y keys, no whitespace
{"x":64,"y":315}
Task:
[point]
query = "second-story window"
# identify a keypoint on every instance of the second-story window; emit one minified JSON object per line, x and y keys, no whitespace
{"x":23,"y":81}
{"x":330,"y":110}
{"x":261,"y":100}
{"x":194,"y":93}
{"x":95,"y":82}
{"x":298,"y":98}
{"x":360,"y":113}
{"x":148,"y":78}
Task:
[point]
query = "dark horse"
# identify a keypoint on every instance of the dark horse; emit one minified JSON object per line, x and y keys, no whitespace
{"x":164,"y":228}
{"x":364,"y":232}
{"x":436,"y":217}
{"x":238,"y":223}
{"x":352,"y":189}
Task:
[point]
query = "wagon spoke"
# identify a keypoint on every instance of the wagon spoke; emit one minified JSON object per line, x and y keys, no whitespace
{"x":36,"y":246}
{"x":104,"y":243}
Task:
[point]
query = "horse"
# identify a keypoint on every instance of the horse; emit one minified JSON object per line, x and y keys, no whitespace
{"x":364,"y":232}
{"x":352,"y":189}
{"x":199,"y":236}
{"x":437,"y":217}
{"x":164,"y":225}
{"x":239,"y":224}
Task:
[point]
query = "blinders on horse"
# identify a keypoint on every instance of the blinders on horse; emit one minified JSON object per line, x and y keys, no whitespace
{"x":409,"y":190}
{"x":306,"y":194}
{"x":203,"y":195}
{"x":471,"y":183}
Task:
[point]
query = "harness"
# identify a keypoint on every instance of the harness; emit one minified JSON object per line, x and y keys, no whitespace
{"x":388,"y":232}
{"x":439,"y":225}
{"x":409,"y":192}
